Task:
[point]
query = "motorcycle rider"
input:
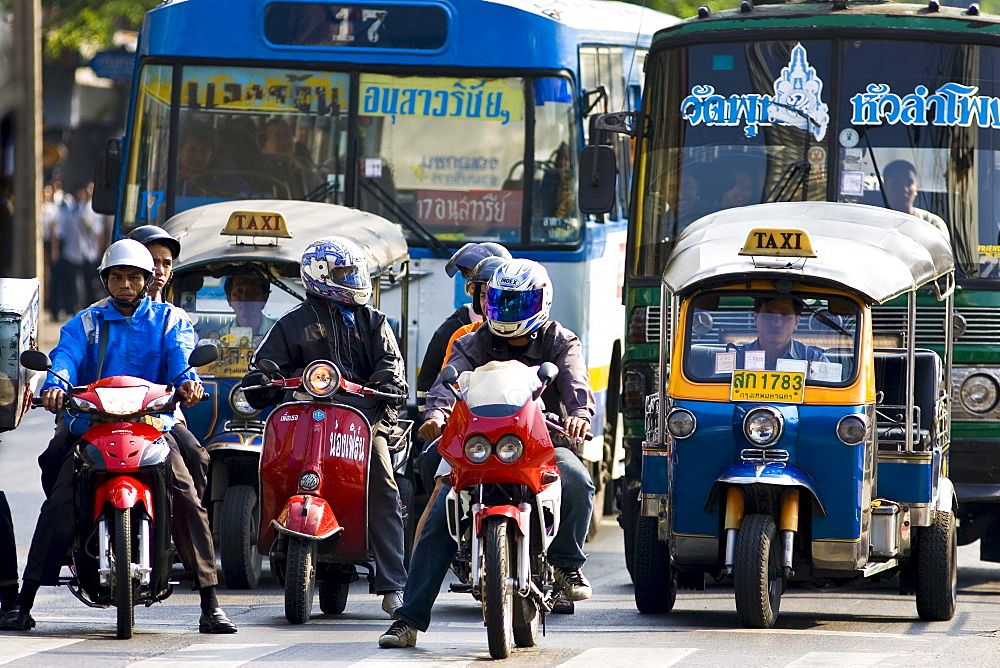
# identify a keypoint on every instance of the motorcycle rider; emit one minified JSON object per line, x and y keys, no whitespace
{"x":105,"y":341}
{"x":518,"y":299}
{"x":336,"y":324}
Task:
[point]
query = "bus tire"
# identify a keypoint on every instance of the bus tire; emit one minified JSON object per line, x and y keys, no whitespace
{"x":627,"y":520}
{"x":655,"y":578}
{"x":937,"y":568}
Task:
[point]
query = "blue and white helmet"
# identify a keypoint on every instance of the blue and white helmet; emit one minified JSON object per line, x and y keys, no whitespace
{"x":518,"y":299}
{"x":335,"y":268}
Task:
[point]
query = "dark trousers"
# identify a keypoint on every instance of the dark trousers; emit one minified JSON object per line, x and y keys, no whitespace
{"x":57,"y":525}
{"x":8,"y":546}
{"x":385,"y":520}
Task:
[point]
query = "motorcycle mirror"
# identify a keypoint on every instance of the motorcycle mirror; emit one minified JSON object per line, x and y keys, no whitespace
{"x":35,"y":360}
{"x":547,"y":372}
{"x":203,"y":354}
{"x":448,"y":378}
{"x":267,"y":366}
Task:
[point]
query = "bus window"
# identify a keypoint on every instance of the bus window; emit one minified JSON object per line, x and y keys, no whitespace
{"x":146,"y":177}
{"x":554,"y":215}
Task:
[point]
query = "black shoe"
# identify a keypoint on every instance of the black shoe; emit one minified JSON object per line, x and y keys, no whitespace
{"x":215,"y":622}
{"x":17,"y":619}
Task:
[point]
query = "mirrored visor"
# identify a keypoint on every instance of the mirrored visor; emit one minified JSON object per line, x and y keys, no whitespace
{"x":512,"y":305}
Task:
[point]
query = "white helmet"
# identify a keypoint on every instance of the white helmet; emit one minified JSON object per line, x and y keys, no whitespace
{"x":335,"y":268}
{"x":518,"y":299}
{"x":127,"y":253}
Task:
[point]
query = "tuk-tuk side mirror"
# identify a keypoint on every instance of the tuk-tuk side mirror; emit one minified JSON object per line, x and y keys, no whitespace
{"x":598,"y":179}
{"x":105,"y":197}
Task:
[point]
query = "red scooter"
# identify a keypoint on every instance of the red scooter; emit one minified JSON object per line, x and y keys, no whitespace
{"x":123,"y":552}
{"x":314,"y":485}
{"x":503,"y":507}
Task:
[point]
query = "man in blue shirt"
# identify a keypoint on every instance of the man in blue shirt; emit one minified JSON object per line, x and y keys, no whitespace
{"x":776,"y":320}
{"x":129,"y":335}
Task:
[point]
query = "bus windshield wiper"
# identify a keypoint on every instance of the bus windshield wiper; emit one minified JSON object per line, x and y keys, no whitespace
{"x":372,"y":187}
{"x":798,"y":171}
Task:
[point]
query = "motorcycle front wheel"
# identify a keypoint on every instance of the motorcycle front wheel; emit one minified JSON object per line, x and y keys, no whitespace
{"x":498,"y":594}
{"x":300,"y":580}
{"x":123,"y":593}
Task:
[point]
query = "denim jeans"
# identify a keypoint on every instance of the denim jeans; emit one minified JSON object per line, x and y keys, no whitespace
{"x":435,"y":548}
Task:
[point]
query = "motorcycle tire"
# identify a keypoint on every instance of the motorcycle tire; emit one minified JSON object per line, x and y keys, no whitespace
{"x":498,"y":594}
{"x":300,"y":580}
{"x":124,"y":592}
{"x":937,"y":568}
{"x":333,"y":596}
{"x":241,"y":560}
{"x":757,"y":582}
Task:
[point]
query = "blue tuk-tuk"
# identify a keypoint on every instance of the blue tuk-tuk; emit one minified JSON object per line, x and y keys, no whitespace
{"x":787,"y":443}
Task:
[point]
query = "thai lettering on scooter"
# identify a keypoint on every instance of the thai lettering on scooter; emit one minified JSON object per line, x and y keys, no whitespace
{"x":348,"y":446}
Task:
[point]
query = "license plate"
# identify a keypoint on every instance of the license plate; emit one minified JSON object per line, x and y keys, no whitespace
{"x":786,"y":387}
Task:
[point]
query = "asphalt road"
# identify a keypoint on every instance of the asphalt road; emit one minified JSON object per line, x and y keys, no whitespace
{"x":864,"y":625}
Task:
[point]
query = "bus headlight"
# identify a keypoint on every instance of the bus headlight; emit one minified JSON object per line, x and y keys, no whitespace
{"x":762,"y":426}
{"x":853,"y":429}
{"x":680,"y":422}
{"x":477,"y":449}
{"x":509,"y":449}
{"x":979,"y":393}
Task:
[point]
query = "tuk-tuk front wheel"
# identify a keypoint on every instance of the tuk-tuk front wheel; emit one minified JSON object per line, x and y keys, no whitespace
{"x":241,"y":560}
{"x":937,"y":568}
{"x":655,"y":579}
{"x":757,"y":577}
{"x":300,"y":580}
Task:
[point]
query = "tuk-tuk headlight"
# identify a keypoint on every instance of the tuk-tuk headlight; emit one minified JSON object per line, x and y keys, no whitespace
{"x":853,"y":429}
{"x":979,"y":393}
{"x":478,"y":449}
{"x":239,"y":405}
{"x":509,"y":449}
{"x":762,"y":426}
{"x":321,"y":379}
{"x":680,"y":422}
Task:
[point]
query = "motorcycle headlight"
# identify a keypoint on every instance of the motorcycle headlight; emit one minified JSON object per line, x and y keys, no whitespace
{"x":321,"y":379}
{"x":477,"y":449}
{"x":122,"y":400}
{"x":762,"y":426}
{"x":155,"y":452}
{"x":979,"y":393}
{"x":309,"y":481}
{"x":509,"y":448}
{"x":680,"y":423}
{"x":239,"y":405}
{"x":853,"y":429}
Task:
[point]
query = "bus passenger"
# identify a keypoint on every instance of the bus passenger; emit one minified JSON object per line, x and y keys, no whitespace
{"x":201,"y":171}
{"x":518,"y":300}
{"x":899,"y":179}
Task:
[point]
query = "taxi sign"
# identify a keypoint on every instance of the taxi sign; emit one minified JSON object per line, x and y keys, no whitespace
{"x":785,"y":387}
{"x":257,"y":224}
{"x":778,"y":242}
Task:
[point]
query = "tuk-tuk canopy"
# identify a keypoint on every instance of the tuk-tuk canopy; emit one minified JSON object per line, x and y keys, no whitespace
{"x":279,"y":231}
{"x":879,"y":253}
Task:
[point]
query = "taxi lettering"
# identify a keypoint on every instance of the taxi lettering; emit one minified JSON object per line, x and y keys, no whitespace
{"x":257,"y":223}
{"x":778,"y":242}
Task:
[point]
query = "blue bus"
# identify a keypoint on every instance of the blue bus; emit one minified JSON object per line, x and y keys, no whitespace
{"x":460,"y":120}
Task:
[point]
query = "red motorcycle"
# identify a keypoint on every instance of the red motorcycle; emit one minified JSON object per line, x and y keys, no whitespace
{"x":123,"y":551}
{"x":503,"y":508}
{"x":314,"y":485}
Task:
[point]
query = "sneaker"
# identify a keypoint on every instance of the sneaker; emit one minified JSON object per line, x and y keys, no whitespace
{"x":400,"y":634}
{"x":392,"y":600}
{"x":575,"y":585}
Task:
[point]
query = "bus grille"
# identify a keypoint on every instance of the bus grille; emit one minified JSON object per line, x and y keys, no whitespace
{"x":981,"y":324}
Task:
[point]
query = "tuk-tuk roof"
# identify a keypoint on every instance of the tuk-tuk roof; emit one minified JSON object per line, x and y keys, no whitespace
{"x":879,"y":253}
{"x":200,"y":231}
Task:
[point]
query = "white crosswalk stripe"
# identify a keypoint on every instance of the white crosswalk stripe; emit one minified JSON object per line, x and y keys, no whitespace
{"x":839,"y":659}
{"x":13,"y":648}
{"x":653,"y":657}
{"x":211,"y":655}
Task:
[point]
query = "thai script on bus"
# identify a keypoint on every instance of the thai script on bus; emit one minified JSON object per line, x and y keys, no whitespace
{"x":436,"y":98}
{"x":469,"y":209}
{"x":797,"y":102}
{"x":953,"y":104}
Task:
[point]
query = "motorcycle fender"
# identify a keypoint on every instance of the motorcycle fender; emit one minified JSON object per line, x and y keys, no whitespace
{"x":309,"y":517}
{"x":522,"y":518}
{"x":123,"y":492}
{"x":780,"y":474}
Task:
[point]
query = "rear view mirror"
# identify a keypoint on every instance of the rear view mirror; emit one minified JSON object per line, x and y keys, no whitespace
{"x":105,"y":197}
{"x":35,"y":360}
{"x":267,"y":366}
{"x":448,"y":375}
{"x":203,"y":354}
{"x":598,"y":179}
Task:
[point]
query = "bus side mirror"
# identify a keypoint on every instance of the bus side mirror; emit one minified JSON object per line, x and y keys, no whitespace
{"x":106,"y":178}
{"x":598,"y":177}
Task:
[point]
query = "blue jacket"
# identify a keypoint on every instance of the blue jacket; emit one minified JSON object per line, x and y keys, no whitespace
{"x":153,"y":344}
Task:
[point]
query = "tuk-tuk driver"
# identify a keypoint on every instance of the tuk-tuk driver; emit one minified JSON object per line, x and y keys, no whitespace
{"x":776,"y":320}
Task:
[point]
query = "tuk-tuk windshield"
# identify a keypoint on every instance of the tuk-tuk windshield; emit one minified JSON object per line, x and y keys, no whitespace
{"x":813,"y":334}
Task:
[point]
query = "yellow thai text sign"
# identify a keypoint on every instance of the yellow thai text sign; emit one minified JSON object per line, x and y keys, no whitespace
{"x":257,"y":224}
{"x":786,"y":387}
{"x":778,"y":242}
{"x":232,"y":363}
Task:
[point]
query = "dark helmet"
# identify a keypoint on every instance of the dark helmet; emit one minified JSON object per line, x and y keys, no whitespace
{"x":469,"y":255}
{"x":151,"y":234}
{"x":481,"y":276}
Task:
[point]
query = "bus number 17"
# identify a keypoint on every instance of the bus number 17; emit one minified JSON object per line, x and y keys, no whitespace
{"x":376,"y":16}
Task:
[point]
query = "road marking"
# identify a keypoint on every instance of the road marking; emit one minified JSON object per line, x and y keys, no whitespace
{"x":839,"y":659}
{"x":634,"y":658}
{"x":211,"y":655}
{"x":14,"y":647}
{"x":822,"y":632}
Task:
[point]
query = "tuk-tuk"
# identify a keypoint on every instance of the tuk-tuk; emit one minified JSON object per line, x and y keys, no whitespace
{"x":237,"y":274}
{"x":786,"y":442}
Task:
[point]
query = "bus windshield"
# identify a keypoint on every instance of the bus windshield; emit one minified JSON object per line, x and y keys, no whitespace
{"x":917,"y":138}
{"x":442,"y":155}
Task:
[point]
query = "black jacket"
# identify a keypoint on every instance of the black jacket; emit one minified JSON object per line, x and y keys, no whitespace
{"x":434,"y":355}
